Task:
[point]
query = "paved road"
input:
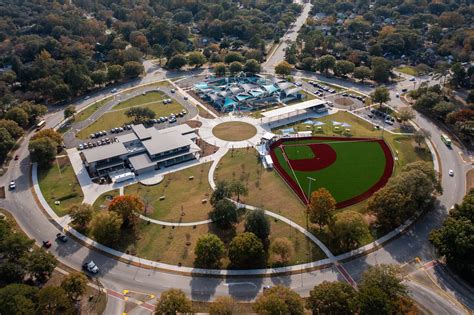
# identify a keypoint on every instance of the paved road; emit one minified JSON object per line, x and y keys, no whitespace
{"x":118,"y":276}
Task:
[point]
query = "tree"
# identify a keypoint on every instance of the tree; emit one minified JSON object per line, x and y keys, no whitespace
{"x":332,"y":298}
{"x":321,"y":207}
{"x":238,"y":188}
{"x":222,"y":191}
{"x":74,"y":285}
{"x":51,"y":134}
{"x":140,"y":114}
{"x":252,"y":66}
{"x":443,"y":109}
{"x":18,"y":299}
{"x":133,"y":69}
{"x":128,"y":207}
{"x":209,"y":251}
{"x":454,"y":239}
{"x":381,"y":291}
{"x":235,"y":67}
{"x":223,"y":305}
{"x":283,"y":68}
{"x":224,"y":214}
{"x":12,"y":272}
{"x":41,"y":264}
{"x":99,"y":77}
{"x":69,"y":111}
{"x":80,"y":215}
{"x":427,"y":169}
{"x":343,"y":67}
{"x":105,"y":227}
{"x":362,"y":73}
{"x":42,"y":151}
{"x":196,"y":59}
{"x":420,"y":135}
{"x":15,"y":246}
{"x":283,"y":248}
{"x":234,"y":56}
{"x":380,"y":95}
{"x":279,"y":300}
{"x":246,"y":251}
{"x":173,"y":301}
{"x":18,"y":115}
{"x":427,"y":101}
{"x":220,"y":69}
{"x":177,"y":62}
{"x":53,"y":300}
{"x":6,"y":143}
{"x":405,"y":114}
{"x":12,"y":127}
{"x":257,"y":223}
{"x":325,"y":63}
{"x":381,"y":69}
{"x":115,"y":73}
{"x":349,"y":230}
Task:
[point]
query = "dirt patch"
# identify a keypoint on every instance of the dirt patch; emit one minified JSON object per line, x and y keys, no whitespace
{"x":194,"y":123}
{"x":234,"y":131}
{"x":206,"y":148}
{"x":470,"y":180}
{"x":344,"y":101}
{"x":2,"y":192}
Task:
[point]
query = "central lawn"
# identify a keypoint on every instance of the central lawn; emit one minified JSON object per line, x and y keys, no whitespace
{"x":359,"y":165}
{"x":118,"y":118}
{"x":59,"y":182}
{"x":265,"y":187}
{"x":302,"y":152}
{"x":155,"y":96}
{"x":180,"y":193}
{"x":86,"y":113}
{"x":407,"y":70}
{"x":234,"y":131}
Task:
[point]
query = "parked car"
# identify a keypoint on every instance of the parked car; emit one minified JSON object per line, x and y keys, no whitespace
{"x":92,"y":136}
{"x":371,"y":115}
{"x":404,"y":90}
{"x":61,"y":237}
{"x":12,"y":185}
{"x":46,"y":244}
{"x":113,"y":91}
{"x":16,"y":157}
{"x":388,"y":121}
{"x":185,"y":98}
{"x":173,"y":91}
{"x":91,"y":267}
{"x":451,"y":173}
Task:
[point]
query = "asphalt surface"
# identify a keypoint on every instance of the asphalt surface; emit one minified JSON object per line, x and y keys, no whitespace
{"x":120,"y":276}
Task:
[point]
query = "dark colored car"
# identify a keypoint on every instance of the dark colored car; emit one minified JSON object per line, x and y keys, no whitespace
{"x":46,"y":244}
{"x":61,"y":237}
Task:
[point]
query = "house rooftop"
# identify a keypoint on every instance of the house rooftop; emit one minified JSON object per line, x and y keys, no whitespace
{"x":141,"y":132}
{"x":104,"y":152}
{"x":164,"y":142}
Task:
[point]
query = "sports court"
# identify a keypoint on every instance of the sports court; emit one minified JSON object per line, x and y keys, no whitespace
{"x":352,"y":169}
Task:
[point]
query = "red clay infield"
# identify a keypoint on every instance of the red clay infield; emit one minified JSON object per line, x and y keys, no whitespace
{"x":314,"y":164}
{"x":324,"y":156}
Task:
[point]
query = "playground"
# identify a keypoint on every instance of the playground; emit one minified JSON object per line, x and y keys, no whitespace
{"x":352,"y":169}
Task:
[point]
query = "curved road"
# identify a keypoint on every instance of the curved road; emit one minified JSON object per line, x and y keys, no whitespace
{"x":119,"y":276}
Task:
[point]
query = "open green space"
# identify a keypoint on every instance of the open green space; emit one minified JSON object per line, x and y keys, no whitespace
{"x":265,"y":187}
{"x":234,"y":131}
{"x":359,"y":165}
{"x":118,"y":118}
{"x":185,"y":199}
{"x":150,"y":97}
{"x":176,"y":245}
{"x":86,"y":113}
{"x":59,"y":183}
{"x":307,"y":97}
{"x":299,"y":152}
{"x":102,"y":202}
{"x":407,"y":70}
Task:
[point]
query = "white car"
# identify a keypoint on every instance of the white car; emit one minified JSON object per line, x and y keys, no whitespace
{"x":298,"y":84}
{"x":12,"y":185}
{"x":91,"y":267}
{"x":451,"y":173}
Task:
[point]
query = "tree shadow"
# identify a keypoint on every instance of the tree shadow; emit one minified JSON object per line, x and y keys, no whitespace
{"x":244,"y":289}
{"x":204,"y":288}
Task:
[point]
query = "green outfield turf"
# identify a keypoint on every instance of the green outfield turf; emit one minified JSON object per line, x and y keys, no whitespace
{"x":358,"y":167}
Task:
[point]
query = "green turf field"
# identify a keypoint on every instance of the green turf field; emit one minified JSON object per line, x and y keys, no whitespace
{"x":359,"y":165}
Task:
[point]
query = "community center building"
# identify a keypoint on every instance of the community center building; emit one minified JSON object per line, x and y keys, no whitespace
{"x":142,"y":150}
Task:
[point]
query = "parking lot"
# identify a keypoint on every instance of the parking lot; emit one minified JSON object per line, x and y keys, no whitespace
{"x":379,"y":118}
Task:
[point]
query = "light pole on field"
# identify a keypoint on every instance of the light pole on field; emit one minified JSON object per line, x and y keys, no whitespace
{"x":310,"y":179}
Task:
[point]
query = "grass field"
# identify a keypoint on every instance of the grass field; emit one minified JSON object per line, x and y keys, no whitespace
{"x":102,"y":202}
{"x":359,"y":165}
{"x":266,"y":189}
{"x":234,"y":131}
{"x":86,"y":113}
{"x":60,"y":183}
{"x":180,"y":193}
{"x":118,"y":118}
{"x":407,"y":70}
{"x":176,"y":246}
{"x":150,"y":97}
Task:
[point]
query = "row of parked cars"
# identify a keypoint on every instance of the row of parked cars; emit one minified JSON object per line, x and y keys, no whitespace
{"x":357,"y":97}
{"x":98,"y":143}
{"x":322,"y":88}
{"x":389,"y":120}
